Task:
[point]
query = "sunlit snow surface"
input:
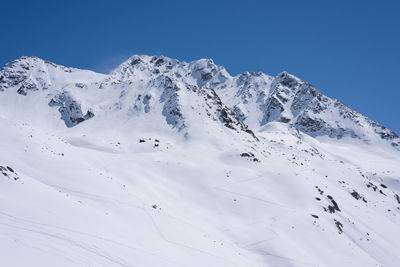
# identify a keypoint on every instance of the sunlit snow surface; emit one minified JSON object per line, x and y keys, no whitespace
{"x":169,"y":180}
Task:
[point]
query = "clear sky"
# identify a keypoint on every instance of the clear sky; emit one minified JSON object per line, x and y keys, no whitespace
{"x":349,"y":50}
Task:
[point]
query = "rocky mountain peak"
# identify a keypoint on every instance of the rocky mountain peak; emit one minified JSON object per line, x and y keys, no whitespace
{"x":142,"y":83}
{"x":28,"y":73}
{"x":288,"y":80}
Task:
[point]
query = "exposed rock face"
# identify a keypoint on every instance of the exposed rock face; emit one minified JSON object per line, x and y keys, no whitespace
{"x":307,"y":109}
{"x":71,"y":112}
{"x":181,"y":88}
{"x":27,"y":74}
{"x":172,"y":110}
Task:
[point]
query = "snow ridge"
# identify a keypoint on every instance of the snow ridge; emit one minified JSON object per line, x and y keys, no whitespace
{"x":254,"y":99}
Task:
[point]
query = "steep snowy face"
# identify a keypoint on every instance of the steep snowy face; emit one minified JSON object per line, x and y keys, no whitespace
{"x":30,"y":74}
{"x":307,"y":109}
{"x":152,"y":90}
{"x":257,"y":99}
{"x":178,"y":94}
{"x":201,"y":73}
{"x":206,"y":73}
{"x":176,"y":90}
{"x":40,"y":86}
{"x":245,"y":94}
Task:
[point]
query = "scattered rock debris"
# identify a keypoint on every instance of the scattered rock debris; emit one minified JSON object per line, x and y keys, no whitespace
{"x":9,"y":172}
{"x":319,"y":190}
{"x":339,"y":226}
{"x":250,"y":156}
{"x":397,"y":198}
{"x":357,"y":196}
{"x":334,"y":207}
{"x":375,"y":187}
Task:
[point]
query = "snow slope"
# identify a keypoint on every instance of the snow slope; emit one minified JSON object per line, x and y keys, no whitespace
{"x":168,"y":163}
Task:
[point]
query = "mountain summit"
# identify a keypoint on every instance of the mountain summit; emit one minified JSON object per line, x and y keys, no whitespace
{"x":169,"y":163}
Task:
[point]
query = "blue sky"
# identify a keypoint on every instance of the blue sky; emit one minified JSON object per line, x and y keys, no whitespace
{"x":350,"y":50}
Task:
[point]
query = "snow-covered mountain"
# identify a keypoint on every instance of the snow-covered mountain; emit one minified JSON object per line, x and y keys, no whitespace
{"x":169,"y":163}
